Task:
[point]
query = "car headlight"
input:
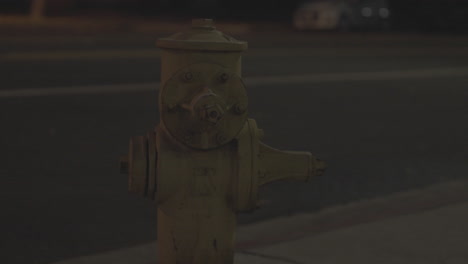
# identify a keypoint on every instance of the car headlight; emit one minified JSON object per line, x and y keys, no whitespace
{"x":366,"y":11}
{"x":384,"y":12}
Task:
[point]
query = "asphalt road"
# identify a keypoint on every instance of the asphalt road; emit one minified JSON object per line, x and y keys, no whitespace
{"x":388,"y":112}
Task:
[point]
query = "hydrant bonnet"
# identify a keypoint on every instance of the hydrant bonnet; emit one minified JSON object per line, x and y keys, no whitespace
{"x":203,"y":100}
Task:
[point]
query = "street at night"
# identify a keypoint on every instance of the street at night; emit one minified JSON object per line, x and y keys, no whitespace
{"x":386,"y":111}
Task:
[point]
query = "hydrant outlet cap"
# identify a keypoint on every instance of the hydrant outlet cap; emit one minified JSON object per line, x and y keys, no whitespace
{"x":202,"y":36}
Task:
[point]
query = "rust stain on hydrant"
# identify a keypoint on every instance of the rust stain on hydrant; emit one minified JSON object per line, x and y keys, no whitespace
{"x":205,"y":162}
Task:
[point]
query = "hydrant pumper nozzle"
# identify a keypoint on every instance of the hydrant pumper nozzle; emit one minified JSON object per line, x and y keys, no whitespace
{"x":204,"y":162}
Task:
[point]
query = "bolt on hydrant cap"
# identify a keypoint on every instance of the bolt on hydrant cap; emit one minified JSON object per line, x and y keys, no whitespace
{"x":203,"y":23}
{"x":202,"y":36}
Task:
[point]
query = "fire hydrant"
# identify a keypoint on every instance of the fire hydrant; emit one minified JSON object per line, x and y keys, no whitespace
{"x":205,"y":162}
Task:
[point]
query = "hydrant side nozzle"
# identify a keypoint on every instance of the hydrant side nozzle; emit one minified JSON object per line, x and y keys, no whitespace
{"x":137,"y":165}
{"x":123,"y":165}
{"x":140,"y":165}
{"x":276,"y":165}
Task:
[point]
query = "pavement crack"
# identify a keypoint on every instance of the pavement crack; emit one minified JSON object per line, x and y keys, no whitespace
{"x":283,"y":259}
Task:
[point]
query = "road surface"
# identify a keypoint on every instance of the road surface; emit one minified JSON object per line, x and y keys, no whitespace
{"x":387,"y":112}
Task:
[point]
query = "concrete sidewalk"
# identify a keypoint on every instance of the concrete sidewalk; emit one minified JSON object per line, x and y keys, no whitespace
{"x":427,"y":226}
{"x":433,"y":237}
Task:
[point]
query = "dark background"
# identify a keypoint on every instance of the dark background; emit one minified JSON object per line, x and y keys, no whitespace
{"x":426,"y":15}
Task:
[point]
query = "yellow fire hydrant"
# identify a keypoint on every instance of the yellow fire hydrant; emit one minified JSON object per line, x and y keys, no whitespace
{"x":205,"y":162}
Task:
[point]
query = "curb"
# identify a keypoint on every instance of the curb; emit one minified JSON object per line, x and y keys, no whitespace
{"x":292,"y":228}
{"x":357,"y":213}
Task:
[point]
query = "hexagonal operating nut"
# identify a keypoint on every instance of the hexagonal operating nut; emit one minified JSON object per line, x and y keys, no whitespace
{"x":212,"y":113}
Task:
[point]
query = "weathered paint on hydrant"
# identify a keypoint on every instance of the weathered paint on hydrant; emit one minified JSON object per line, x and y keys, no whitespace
{"x":205,"y":162}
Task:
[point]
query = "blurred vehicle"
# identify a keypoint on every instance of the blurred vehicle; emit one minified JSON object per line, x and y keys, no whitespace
{"x":342,"y":15}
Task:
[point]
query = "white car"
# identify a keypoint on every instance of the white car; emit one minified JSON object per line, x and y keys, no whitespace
{"x":341,"y":15}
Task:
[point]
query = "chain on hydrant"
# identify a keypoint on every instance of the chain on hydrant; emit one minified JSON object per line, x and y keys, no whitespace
{"x":205,"y":162}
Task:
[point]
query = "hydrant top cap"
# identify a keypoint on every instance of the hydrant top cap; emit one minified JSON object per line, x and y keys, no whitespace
{"x":202,"y":36}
